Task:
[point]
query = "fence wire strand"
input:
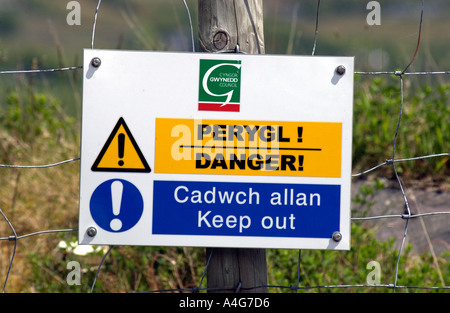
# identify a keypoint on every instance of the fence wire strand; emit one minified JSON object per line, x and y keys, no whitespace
{"x":295,"y":287}
{"x":40,"y":166}
{"x":190,"y":25}
{"x":50,"y":70}
{"x":317,"y":28}
{"x":14,"y":250}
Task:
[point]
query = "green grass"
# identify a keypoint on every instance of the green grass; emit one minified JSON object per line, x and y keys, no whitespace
{"x":36,"y":130}
{"x":424,"y":127}
{"x":140,"y":269}
{"x":330,"y":268}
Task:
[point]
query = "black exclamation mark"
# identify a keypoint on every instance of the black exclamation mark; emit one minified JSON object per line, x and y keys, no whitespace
{"x":121,"y":148}
{"x":300,"y":162}
{"x":300,"y":134}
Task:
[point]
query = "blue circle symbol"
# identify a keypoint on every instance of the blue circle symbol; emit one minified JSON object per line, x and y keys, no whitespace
{"x":116,"y":205}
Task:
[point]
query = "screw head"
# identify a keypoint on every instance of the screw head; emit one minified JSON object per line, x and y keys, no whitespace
{"x":340,"y":70}
{"x":220,"y":40}
{"x":96,"y":62}
{"x":91,"y":231}
{"x":337,"y":236}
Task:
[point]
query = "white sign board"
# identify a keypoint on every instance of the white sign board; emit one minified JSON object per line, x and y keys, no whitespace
{"x":216,"y":150}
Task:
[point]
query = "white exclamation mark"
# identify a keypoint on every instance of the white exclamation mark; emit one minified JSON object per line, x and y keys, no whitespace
{"x":116,"y":197}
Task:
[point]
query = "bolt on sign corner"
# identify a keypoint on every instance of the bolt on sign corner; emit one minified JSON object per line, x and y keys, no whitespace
{"x":220,"y":85}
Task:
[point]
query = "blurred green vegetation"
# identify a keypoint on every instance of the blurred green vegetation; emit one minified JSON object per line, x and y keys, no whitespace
{"x":424,"y":127}
{"x":39,"y":117}
{"x":144,"y":269}
{"x":34,"y":33}
{"x":37,"y":130}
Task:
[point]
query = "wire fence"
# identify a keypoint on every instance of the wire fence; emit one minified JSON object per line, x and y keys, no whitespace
{"x":405,"y":216}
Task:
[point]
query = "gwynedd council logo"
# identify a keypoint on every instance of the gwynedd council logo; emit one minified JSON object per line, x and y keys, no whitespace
{"x":220,"y":85}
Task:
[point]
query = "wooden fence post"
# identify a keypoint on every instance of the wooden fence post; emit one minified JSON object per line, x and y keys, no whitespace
{"x":224,"y":25}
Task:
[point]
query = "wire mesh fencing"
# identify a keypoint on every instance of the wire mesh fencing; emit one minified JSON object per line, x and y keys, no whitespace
{"x":297,"y":281}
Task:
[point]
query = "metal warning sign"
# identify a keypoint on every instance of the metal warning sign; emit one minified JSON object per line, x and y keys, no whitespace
{"x":216,"y":150}
{"x":121,"y":152}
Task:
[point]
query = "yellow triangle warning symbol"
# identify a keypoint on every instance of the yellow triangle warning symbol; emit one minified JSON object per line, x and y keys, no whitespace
{"x":121,"y":153}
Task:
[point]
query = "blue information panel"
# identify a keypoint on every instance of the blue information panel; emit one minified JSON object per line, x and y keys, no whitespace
{"x":246,"y":209}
